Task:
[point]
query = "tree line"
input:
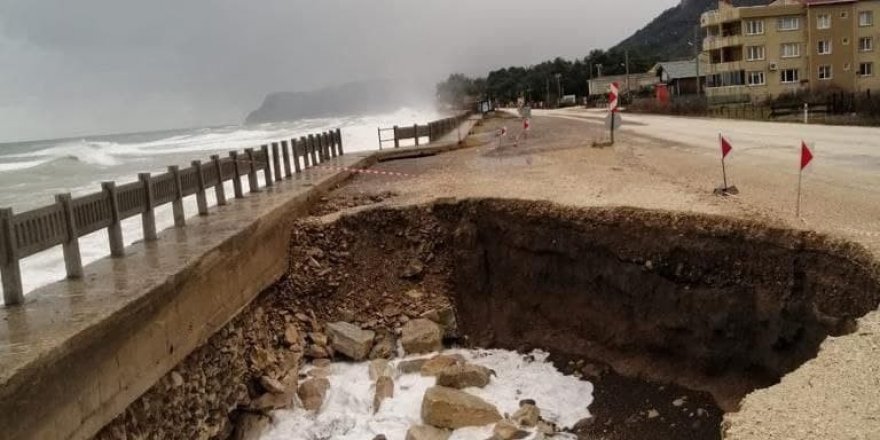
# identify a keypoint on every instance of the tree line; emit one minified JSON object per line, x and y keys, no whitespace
{"x":539,"y":83}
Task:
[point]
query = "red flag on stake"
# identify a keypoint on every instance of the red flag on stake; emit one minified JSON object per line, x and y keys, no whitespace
{"x":726,"y":148}
{"x":806,"y":158}
{"x":806,"y":155}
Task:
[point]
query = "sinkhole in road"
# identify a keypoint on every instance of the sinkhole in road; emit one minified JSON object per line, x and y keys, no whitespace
{"x":654,"y":308}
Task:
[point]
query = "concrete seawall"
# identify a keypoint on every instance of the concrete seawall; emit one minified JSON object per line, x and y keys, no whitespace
{"x":79,"y":352}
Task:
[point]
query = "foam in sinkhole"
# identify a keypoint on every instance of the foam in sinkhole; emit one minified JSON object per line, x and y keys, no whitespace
{"x":347,"y":412}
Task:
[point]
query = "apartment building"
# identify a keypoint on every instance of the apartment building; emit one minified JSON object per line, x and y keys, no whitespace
{"x":751,"y":53}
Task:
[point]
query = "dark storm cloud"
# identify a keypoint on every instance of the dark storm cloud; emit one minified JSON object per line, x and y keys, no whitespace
{"x":95,"y":66}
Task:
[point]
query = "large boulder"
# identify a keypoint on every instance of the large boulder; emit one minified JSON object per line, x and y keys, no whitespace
{"x":425,"y":432}
{"x":507,"y":430}
{"x":379,"y":368}
{"x":436,"y":364}
{"x":450,"y":408}
{"x":411,"y":366}
{"x":421,"y":336}
{"x":351,"y":340}
{"x":312,"y":392}
{"x":384,"y":390}
{"x":527,"y":415}
{"x":445,"y":317}
{"x":462,"y":376}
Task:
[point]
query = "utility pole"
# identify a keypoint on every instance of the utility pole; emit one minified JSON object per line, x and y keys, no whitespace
{"x":697,"y":50}
{"x":599,"y":69}
{"x":558,"y":89}
{"x":547,"y":102}
{"x":626,"y":55}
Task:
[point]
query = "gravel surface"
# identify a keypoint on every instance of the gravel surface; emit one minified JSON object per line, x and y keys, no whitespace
{"x":673,"y":164}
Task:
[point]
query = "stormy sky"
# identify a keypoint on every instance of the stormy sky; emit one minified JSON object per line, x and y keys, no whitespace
{"x":72,"y":68}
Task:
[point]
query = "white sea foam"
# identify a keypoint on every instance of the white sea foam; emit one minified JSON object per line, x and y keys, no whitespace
{"x":31,"y":178}
{"x":347,"y":412}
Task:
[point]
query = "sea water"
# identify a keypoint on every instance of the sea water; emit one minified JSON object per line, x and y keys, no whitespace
{"x":31,"y":173}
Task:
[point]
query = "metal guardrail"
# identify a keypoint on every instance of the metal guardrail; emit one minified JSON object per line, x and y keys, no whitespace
{"x":432,"y":130}
{"x":64,"y":222}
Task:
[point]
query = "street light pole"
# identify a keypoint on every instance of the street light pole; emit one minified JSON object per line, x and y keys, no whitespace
{"x":558,"y":89}
{"x":626,"y":55}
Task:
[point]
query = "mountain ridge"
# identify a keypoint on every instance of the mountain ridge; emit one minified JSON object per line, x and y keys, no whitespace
{"x":669,"y":36}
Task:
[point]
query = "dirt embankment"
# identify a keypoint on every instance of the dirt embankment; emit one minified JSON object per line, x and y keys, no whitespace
{"x":701,"y":302}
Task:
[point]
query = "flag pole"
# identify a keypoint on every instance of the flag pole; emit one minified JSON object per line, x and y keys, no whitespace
{"x":723,"y":166}
{"x":797,"y":209}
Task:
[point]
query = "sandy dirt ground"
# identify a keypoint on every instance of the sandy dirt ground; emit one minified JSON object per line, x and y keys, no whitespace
{"x":673,"y":164}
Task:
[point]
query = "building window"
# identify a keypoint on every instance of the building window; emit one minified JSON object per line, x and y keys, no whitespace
{"x":844,"y":15}
{"x":754,"y":53}
{"x":791,"y":50}
{"x":756,"y":78}
{"x":754,"y":27}
{"x":823,"y":21}
{"x":825,"y":72}
{"x":824,"y":47}
{"x":866,"y":44}
{"x":789,"y":23}
{"x":788,"y":76}
{"x":866,"y":18}
{"x":866,"y":69}
{"x":845,"y":41}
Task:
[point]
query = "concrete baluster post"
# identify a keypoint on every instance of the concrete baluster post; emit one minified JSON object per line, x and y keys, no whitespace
{"x":70,"y":247}
{"x":295,"y":147}
{"x":267,"y":167}
{"x":416,"y":133}
{"x":339,"y":141}
{"x":114,"y":231}
{"x":319,"y":150}
{"x":10,"y":270}
{"x":276,"y":161}
{"x":325,"y":141}
{"x":312,"y":150}
{"x":219,"y":190}
{"x":396,"y":137}
{"x":177,"y":203}
{"x":148,"y":218}
{"x":201,"y":197}
{"x":331,"y":145}
{"x":236,"y":177}
{"x":285,"y":153}
{"x":334,"y":144}
{"x":322,"y":147}
{"x":304,"y":149}
{"x":252,"y":171}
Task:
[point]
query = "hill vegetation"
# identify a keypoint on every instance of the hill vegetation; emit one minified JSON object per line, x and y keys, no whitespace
{"x":668,"y":37}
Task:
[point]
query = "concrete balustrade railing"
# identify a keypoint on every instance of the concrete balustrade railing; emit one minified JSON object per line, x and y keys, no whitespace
{"x":64,"y":222}
{"x":432,"y":130}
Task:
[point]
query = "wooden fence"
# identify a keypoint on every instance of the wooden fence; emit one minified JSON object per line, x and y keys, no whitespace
{"x":432,"y":130}
{"x":65,"y":221}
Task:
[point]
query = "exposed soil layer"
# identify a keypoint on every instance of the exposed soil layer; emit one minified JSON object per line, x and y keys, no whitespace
{"x":675,"y":304}
{"x":720,"y":304}
{"x":630,"y":408}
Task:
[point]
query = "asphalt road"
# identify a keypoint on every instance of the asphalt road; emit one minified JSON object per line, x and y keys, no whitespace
{"x":854,"y":149}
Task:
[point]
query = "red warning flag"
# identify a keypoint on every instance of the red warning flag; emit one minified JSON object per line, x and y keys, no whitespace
{"x":726,"y":148}
{"x":806,"y":155}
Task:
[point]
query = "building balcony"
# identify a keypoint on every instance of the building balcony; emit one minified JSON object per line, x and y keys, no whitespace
{"x":720,"y":42}
{"x":716,"y":17}
{"x":724,"y":67}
